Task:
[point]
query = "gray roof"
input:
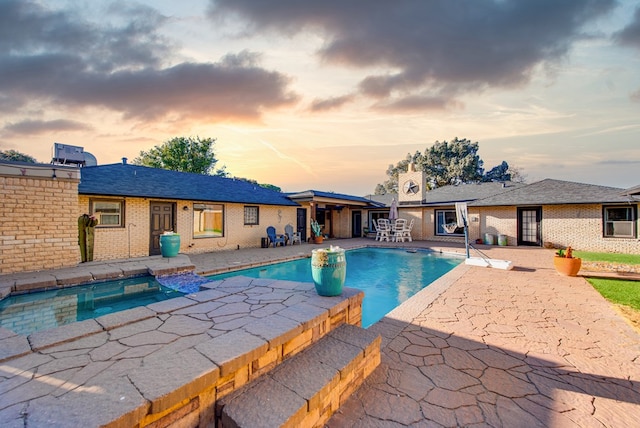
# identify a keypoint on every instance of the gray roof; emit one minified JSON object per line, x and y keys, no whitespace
{"x":144,"y":182}
{"x":448,"y":195}
{"x":383,"y":200}
{"x":632,"y":191}
{"x":554,"y":192}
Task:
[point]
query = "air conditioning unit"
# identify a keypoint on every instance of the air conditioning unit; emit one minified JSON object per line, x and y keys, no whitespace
{"x":65,"y":154}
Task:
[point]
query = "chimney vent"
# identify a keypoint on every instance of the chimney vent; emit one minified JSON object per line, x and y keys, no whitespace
{"x":124,"y":161}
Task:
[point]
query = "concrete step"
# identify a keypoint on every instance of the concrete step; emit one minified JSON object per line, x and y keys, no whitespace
{"x":306,"y":389}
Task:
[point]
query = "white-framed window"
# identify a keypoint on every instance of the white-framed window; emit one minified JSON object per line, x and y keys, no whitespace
{"x":251,"y":215}
{"x":619,"y":221}
{"x":446,"y":217}
{"x":208,"y":220}
{"x":109,"y":212}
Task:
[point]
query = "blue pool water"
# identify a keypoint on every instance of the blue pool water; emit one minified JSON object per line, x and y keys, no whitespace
{"x":388,"y":277}
{"x":28,"y":313}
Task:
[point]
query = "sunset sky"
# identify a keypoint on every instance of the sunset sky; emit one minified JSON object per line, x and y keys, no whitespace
{"x":326,"y":94}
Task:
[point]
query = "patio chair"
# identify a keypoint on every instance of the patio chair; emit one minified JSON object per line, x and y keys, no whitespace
{"x":376,"y":228}
{"x":406,"y":232}
{"x":385,"y":229}
{"x":274,"y":238}
{"x":292,"y":237}
{"x":398,"y":230}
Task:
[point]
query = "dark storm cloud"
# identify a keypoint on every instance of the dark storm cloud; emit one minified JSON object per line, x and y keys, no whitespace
{"x":446,"y":47}
{"x":33,"y":127}
{"x":57,"y":57}
{"x":630,"y":35}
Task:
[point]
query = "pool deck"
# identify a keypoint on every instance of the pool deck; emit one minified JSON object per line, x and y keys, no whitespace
{"x":480,"y":347}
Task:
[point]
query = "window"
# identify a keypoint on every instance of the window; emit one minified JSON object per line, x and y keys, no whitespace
{"x":251,"y":215}
{"x":619,"y":222}
{"x":377,"y":215}
{"x":110,"y":213}
{"x":445,"y":217}
{"x":208,"y":220}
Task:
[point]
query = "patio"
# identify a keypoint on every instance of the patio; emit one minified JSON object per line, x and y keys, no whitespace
{"x":486,"y":347}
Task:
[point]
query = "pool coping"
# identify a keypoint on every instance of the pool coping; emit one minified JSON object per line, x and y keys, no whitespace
{"x":216,"y":348}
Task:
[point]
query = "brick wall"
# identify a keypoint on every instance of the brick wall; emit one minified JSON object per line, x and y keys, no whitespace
{"x":133,"y":239}
{"x":578,"y":226}
{"x":39,"y":216}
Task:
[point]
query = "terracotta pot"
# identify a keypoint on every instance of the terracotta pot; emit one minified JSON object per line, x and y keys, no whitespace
{"x":318,"y":239}
{"x":567,"y":266}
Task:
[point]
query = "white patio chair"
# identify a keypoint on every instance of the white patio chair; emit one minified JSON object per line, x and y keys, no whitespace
{"x":398,"y":230}
{"x":385,"y":229}
{"x":406,"y":232}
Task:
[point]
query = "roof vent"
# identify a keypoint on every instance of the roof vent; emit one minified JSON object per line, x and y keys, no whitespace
{"x":124,"y":161}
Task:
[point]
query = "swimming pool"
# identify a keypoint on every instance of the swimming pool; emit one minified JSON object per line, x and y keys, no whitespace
{"x":28,"y":313}
{"x":387,"y":276}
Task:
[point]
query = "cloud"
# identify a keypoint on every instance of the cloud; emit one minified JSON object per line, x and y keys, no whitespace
{"x":630,"y":35}
{"x":332,"y":103}
{"x":35,"y":127}
{"x":434,"y":49}
{"x":124,"y":65}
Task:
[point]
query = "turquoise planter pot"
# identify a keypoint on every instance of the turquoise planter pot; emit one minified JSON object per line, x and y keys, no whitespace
{"x":329,"y":270}
{"x":169,"y":245}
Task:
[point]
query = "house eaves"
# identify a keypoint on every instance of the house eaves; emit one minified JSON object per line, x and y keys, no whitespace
{"x":332,"y":198}
{"x":125,"y":180}
{"x":554,"y":192}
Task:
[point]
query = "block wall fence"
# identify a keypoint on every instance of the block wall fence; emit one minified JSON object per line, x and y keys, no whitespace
{"x":39,"y":218}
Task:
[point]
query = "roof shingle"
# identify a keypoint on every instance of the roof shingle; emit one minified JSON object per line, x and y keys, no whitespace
{"x":145,"y":182}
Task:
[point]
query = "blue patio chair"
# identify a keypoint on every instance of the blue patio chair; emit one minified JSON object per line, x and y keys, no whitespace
{"x":274,"y":238}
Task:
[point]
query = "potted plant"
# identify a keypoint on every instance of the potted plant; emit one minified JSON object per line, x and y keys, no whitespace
{"x":317,"y":232}
{"x":328,"y":270}
{"x":565,"y":263}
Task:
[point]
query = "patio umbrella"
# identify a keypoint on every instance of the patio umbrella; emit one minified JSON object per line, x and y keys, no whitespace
{"x":393,"y":210}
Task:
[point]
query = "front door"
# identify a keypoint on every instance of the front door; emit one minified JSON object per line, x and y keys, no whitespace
{"x":529,"y":231}
{"x":356,"y":224}
{"x":161,"y":221}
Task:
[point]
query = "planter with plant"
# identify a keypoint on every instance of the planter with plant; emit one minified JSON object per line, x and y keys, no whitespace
{"x":328,"y":270}
{"x":317,"y":231}
{"x":565,"y":263}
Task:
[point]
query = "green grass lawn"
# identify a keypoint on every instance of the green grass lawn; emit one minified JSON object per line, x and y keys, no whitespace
{"x":618,"y":291}
{"x":628,"y":259}
{"x":615,"y":290}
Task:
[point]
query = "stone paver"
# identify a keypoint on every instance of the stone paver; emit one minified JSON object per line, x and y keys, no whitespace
{"x":520,"y":348}
{"x":480,"y":347}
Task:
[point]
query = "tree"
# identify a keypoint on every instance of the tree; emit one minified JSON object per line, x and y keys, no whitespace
{"x":452,"y":162}
{"x":498,"y":173}
{"x":14,"y":155}
{"x":183,"y":154}
{"x":391,"y":185}
{"x":444,"y":163}
{"x":264,"y":185}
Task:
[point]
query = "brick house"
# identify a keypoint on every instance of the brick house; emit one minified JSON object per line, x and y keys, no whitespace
{"x":41,"y":204}
{"x":548,"y":212}
{"x":136,"y":204}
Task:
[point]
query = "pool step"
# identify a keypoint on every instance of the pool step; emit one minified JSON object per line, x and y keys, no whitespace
{"x":306,"y":389}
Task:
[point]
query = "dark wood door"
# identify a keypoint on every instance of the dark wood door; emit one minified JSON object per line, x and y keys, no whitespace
{"x":529,"y":230}
{"x":161,"y":221}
